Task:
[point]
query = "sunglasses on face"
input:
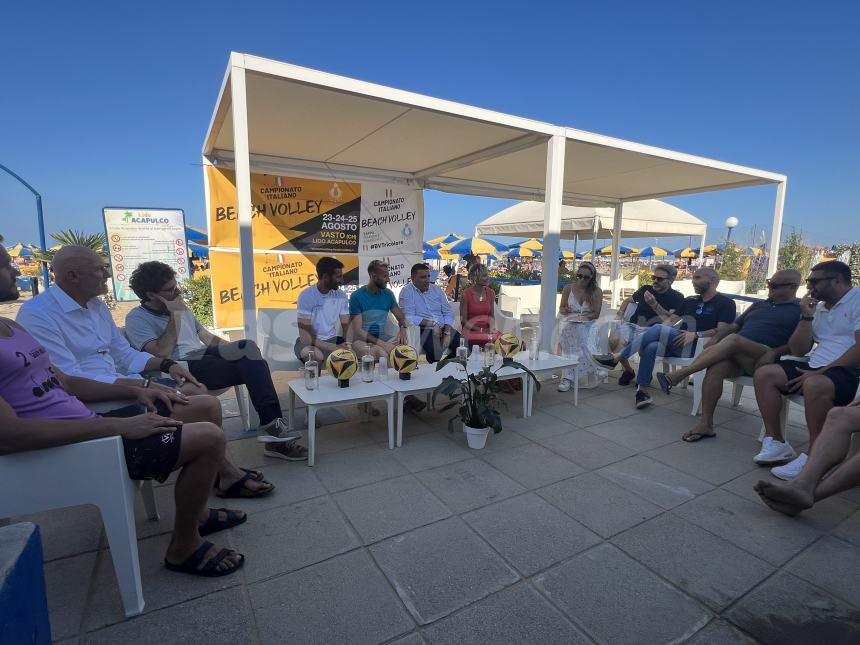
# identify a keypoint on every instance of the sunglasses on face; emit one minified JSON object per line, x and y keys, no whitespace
{"x":779,"y":285}
{"x":815,"y":281}
{"x":583,"y":276}
{"x":657,"y":278}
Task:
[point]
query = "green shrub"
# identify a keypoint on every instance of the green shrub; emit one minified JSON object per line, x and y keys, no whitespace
{"x":794,"y":253}
{"x":732,"y":265}
{"x":645,"y":276}
{"x":198,"y":294}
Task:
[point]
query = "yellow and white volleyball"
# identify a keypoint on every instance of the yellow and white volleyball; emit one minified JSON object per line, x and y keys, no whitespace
{"x":507,"y":345}
{"x":404,"y":358}
{"x":342,"y":364}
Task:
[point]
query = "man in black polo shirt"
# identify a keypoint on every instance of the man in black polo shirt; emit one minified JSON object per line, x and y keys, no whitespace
{"x":655,"y":303}
{"x":758,"y":337}
{"x":700,"y":317}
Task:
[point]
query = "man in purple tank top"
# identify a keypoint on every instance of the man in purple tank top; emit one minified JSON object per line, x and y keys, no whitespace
{"x":40,"y":407}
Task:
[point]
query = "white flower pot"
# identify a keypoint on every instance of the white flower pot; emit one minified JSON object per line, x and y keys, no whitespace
{"x":476,"y":437}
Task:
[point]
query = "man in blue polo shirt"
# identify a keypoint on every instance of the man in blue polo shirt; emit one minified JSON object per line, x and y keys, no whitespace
{"x":369,"y":307}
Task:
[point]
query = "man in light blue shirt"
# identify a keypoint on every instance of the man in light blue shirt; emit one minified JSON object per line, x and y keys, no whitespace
{"x":426,"y":305}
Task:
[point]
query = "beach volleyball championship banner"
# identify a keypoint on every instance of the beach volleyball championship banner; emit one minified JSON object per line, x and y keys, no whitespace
{"x":137,"y":235}
{"x":296,"y":221}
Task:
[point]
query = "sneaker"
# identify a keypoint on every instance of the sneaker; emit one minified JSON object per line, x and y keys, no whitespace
{"x":642,"y":399}
{"x":627,"y":377}
{"x":564,"y":386}
{"x":287,"y":450}
{"x":607,"y":360}
{"x":277,"y":431}
{"x":791,"y":469}
{"x":773,"y":452}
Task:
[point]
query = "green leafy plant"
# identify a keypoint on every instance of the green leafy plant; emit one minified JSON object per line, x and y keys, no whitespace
{"x":732,"y":265}
{"x":197,"y":292}
{"x":476,"y":396}
{"x":645,"y":276}
{"x":794,"y":253}
{"x":71,"y":237}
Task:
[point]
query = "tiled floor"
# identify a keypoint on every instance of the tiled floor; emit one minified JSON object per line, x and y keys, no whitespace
{"x":577,"y":525}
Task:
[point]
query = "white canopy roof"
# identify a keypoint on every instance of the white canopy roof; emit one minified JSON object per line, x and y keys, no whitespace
{"x":299,"y":118}
{"x":648,"y":218}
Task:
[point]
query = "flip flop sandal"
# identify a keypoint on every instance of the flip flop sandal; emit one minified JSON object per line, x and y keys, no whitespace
{"x":210,"y":569}
{"x":240,"y":491}
{"x":693,"y":437}
{"x":665,"y":385}
{"x":256,"y":475}
{"x":213,"y":523}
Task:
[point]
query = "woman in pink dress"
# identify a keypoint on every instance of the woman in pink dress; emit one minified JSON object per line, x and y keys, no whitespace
{"x":477,"y":309}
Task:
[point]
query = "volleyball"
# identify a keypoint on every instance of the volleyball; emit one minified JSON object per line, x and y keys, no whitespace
{"x":404,"y":359}
{"x":507,"y":345}
{"x":342,"y":364}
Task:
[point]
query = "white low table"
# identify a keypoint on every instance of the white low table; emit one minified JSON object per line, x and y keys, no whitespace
{"x":550,"y":363}
{"x":329,"y":395}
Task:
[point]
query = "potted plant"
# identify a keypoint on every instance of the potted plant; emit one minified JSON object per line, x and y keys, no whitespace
{"x":476,"y":397}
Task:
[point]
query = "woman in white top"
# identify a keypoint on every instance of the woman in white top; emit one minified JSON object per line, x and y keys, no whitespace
{"x":580,"y":306}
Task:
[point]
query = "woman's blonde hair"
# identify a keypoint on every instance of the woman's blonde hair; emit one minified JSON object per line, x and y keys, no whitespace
{"x":478,"y":271}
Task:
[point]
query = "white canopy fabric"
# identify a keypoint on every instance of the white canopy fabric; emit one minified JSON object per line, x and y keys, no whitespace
{"x":647,"y":218}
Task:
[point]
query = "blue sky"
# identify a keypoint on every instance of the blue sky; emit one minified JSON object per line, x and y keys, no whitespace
{"x":107,"y":103}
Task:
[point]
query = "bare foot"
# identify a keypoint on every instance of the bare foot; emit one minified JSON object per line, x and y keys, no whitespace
{"x":784,"y":498}
{"x":701,"y":428}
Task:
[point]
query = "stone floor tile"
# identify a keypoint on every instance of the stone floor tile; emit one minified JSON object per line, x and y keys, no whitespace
{"x":291,"y":537}
{"x":749,"y":425}
{"x":656,"y":482}
{"x":602,"y":506}
{"x":410,"y":639}
{"x":849,"y":529}
{"x":852,"y":495}
{"x":516,"y":615}
{"x":429,"y":451}
{"x":161,"y":588}
{"x":707,"y":567}
{"x":617,"y":600}
{"x":386,"y":508}
{"x":294,"y":482}
{"x":543,"y":423}
{"x":504,"y":440}
{"x":222,"y":617}
{"x":533,"y":465}
{"x":618,"y":403}
{"x":786,"y":610}
{"x":585,"y":414}
{"x":648,"y":430}
{"x":771,"y":536}
{"x":530,"y":533}
{"x":587,"y":449}
{"x":833,"y":565}
{"x":824,"y":516}
{"x":342,"y":600}
{"x":341,"y":436}
{"x":67,"y":582}
{"x":67,"y":531}
{"x":465,"y":485}
{"x":440,"y":568}
{"x":714,"y":460}
{"x":357,"y":467}
{"x":719,"y":632}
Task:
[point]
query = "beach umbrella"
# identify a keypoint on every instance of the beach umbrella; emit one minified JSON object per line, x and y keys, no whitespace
{"x":20,"y":251}
{"x":623,"y":250}
{"x":686,"y":253}
{"x":533,"y":244}
{"x":431,"y":252}
{"x":198,"y":250}
{"x":753,"y":250}
{"x":196,"y":235}
{"x":475,"y":246}
{"x":445,"y":239}
{"x":653,"y":252}
{"x":569,"y":255}
{"x":586,"y":256}
{"x":521,"y":252}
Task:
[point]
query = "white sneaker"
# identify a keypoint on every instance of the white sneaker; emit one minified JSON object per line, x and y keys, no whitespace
{"x":791,"y":469}
{"x":564,"y":386}
{"x":773,"y":452}
{"x":277,"y":431}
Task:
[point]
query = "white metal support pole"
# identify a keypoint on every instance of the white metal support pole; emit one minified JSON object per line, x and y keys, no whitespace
{"x":776,"y":233}
{"x":594,"y":238}
{"x":551,"y":237}
{"x":243,"y":192}
{"x":702,"y":250}
{"x":616,"y":245}
{"x":575,"y":244}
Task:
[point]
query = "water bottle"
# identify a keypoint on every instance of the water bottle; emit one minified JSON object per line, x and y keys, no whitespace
{"x":534,"y":350}
{"x":489,"y":355}
{"x":475,"y":359}
{"x":312,"y":374}
{"x":462,"y":350}
{"x":383,"y":368}
{"x":367,"y":368}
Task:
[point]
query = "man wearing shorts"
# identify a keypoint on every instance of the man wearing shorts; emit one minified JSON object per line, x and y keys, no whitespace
{"x":758,"y":336}
{"x":320,"y":309}
{"x":39,"y":409}
{"x":830,"y":321}
{"x":369,"y":307}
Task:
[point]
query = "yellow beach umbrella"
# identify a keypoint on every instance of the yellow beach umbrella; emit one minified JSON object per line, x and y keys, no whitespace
{"x":623,"y":250}
{"x":532,"y":244}
{"x":450,"y":238}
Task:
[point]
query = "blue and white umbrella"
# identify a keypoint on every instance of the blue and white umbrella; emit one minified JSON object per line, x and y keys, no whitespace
{"x":431,"y":252}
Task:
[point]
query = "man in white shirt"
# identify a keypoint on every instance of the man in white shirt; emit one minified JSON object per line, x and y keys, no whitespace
{"x":75,"y":326}
{"x":830,"y":317}
{"x":320,"y":309}
{"x":425,"y":304}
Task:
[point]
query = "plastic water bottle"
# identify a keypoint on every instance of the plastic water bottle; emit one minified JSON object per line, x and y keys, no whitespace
{"x":367,"y":368}
{"x":534,"y":350}
{"x":383,"y":368}
{"x":475,"y":359}
{"x":312,"y":374}
{"x":489,"y":355}
{"x":462,"y":350}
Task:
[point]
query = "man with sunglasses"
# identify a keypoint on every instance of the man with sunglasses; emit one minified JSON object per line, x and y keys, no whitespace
{"x":759,"y":336}
{"x":830,"y":327}
{"x":655,"y":303}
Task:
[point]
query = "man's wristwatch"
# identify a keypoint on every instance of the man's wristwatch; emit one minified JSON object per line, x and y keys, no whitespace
{"x":700,"y":334}
{"x":147,"y":381}
{"x":166,"y":364}
{"x":807,"y":318}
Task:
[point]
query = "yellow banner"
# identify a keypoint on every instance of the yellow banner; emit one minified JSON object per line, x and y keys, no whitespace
{"x":306,"y":215}
{"x":278,"y":278}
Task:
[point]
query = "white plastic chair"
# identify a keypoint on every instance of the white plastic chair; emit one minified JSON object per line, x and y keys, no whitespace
{"x":90,"y":472}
